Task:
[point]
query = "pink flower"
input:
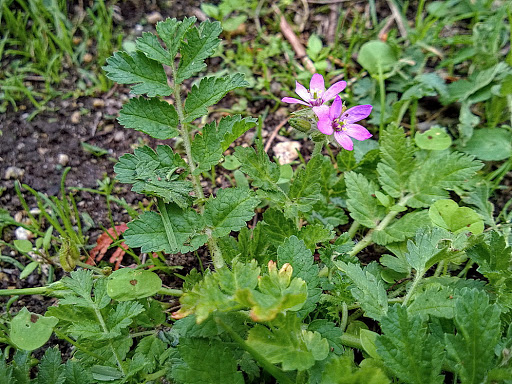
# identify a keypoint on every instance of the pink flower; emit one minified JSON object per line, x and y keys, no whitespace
{"x":317,"y":95}
{"x":334,"y":120}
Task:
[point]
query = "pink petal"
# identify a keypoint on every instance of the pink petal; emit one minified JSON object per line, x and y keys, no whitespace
{"x":317,"y":85}
{"x":325,"y":126}
{"x":343,"y":139}
{"x":291,"y":100}
{"x":334,"y":90}
{"x":302,"y":92}
{"x":357,"y":131}
{"x":336,"y":107}
{"x":359,"y":112}
{"x":322,"y":111}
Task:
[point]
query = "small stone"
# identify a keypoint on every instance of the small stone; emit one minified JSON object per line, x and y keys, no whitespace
{"x":87,"y":58}
{"x":75,"y":117}
{"x":154,"y":17}
{"x":119,"y":136}
{"x":13,"y":173}
{"x":63,"y":159}
{"x":35,"y":211}
{"x":22,"y":234}
{"x":98,"y":103}
{"x":108,"y":128}
{"x":287,"y":151}
{"x":18,"y":216}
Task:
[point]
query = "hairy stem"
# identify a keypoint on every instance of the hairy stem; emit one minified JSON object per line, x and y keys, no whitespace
{"x":105,"y":330}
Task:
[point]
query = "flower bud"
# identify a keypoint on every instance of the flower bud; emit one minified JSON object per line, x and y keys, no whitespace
{"x":299,"y":124}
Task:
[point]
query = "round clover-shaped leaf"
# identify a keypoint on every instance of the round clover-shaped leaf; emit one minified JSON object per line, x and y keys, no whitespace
{"x":447,"y":214}
{"x":129,"y":284}
{"x":30,"y":331}
{"x":490,"y":144}
{"x":435,"y":139}
{"x":376,"y":54}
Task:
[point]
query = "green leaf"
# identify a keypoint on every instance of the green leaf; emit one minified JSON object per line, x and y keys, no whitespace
{"x":330,"y":331}
{"x":151,"y":47}
{"x":206,"y":361}
{"x":434,"y":139}
{"x":209,"y":91}
{"x":375,"y":56}
{"x":149,"y":232}
{"x":122,"y":316}
{"x":289,"y":345}
{"x":478,"y":331}
{"x":367,"y":290}
{"x":200,"y":44}
{"x":294,"y":252}
{"x":397,"y":161}
{"x":448,"y":215}
{"x":424,"y":248}
{"x":154,"y":117}
{"x":406,"y":348}
{"x":363,"y":207}
{"x":229,"y":210}
{"x":434,"y":300}
{"x":344,"y":367}
{"x":131,"y":284}
{"x":51,"y":371}
{"x":155,"y":173}
{"x":257,"y":165}
{"x":172,"y":31}
{"x":403,"y":228}
{"x":232,"y":127}
{"x":276,"y":227}
{"x":23,"y":246}
{"x":206,"y":149}
{"x":216,"y":292}
{"x":30,"y":331}
{"x":135,"y":68}
{"x":490,"y":144}
{"x":437,"y":175}
{"x":150,"y":349}
{"x":80,"y":282}
{"x":305,"y":189}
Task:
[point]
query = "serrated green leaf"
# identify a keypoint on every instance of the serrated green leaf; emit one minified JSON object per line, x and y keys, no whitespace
{"x":479,"y":197}
{"x":216,"y":292}
{"x":148,"y":76}
{"x":313,"y":234}
{"x":122,"y":316}
{"x":344,"y":367}
{"x":229,"y":210}
{"x":232,"y":127}
{"x":200,"y":44}
{"x":209,"y":91}
{"x":407,"y":348}
{"x":257,"y":165}
{"x":148,"y":231}
{"x":424,"y":248}
{"x":51,"y":370}
{"x":368,"y":290}
{"x":148,"y":44}
{"x":403,"y":228}
{"x":206,"y":361}
{"x":150,"y":349}
{"x":294,"y":348}
{"x":363,"y":207}
{"x":330,"y":331}
{"x":305,"y":189}
{"x":396,"y":161}
{"x":295,"y":252}
{"x":478,"y":331}
{"x":154,"y":117}
{"x":171,"y":31}
{"x":435,"y":300}
{"x":80,"y":282}
{"x":437,"y":175}
{"x":206,"y":149}
{"x":153,"y":173}
{"x":5,"y":371}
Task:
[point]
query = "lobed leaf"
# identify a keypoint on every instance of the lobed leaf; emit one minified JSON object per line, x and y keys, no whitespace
{"x":200,"y":44}
{"x":363,"y":207}
{"x":229,"y":210}
{"x":147,"y":75}
{"x":258,"y":166}
{"x":209,"y":91}
{"x":154,"y":117}
{"x":206,"y":149}
{"x":406,"y":348}
{"x":148,"y":44}
{"x":396,"y":161}
{"x":172,"y":31}
{"x":403,"y":228}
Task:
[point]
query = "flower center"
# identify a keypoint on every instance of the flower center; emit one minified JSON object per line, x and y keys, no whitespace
{"x":339,"y":125}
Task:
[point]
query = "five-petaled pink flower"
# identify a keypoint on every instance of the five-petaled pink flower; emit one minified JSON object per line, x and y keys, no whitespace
{"x":317,"y":95}
{"x":333,"y":120}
